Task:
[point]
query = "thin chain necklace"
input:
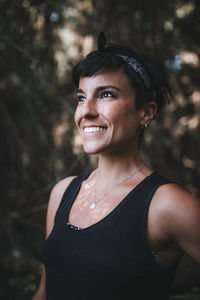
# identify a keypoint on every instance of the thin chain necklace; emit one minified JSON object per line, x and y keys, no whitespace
{"x":93,"y":204}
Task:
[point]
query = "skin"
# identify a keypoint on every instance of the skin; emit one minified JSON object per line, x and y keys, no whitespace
{"x":173,"y":219}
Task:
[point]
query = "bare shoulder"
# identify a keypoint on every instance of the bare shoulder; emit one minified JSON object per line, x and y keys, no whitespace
{"x":54,"y":201}
{"x":171,"y":198}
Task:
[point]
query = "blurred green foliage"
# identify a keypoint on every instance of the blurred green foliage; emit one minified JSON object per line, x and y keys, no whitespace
{"x":39,"y":43}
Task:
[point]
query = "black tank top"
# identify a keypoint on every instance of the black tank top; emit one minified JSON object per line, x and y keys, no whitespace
{"x":109,"y":260}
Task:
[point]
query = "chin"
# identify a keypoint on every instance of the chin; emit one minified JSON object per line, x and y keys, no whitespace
{"x":90,"y":149}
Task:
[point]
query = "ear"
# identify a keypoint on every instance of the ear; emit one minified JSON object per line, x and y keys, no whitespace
{"x":148,"y":113}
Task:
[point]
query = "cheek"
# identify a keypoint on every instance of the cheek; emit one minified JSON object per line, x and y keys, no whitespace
{"x":127,"y":123}
{"x":76,"y":116}
{"x":124,"y":116}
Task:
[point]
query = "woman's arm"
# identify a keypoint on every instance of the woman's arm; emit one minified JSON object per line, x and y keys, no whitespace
{"x":54,"y":201}
{"x":41,"y":293}
{"x":185,"y":224}
{"x":179,"y":218}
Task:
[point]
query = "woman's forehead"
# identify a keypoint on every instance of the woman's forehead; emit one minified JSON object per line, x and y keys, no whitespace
{"x":115,"y":78}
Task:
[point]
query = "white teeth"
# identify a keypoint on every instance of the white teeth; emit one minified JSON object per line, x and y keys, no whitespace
{"x":93,"y":129}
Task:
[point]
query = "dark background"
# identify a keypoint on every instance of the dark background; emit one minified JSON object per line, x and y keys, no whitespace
{"x":39,"y":43}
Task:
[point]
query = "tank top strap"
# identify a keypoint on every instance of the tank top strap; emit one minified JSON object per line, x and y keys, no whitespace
{"x":69,"y":193}
{"x":156,"y":181}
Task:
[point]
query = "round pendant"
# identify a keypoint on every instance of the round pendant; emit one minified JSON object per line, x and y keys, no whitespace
{"x":92,"y":205}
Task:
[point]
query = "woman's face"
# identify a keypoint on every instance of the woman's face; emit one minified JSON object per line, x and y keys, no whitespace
{"x":106,"y":116}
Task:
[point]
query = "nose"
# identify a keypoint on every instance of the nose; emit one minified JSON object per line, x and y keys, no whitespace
{"x":89,"y":109}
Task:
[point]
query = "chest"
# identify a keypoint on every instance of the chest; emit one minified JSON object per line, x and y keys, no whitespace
{"x":90,"y":208}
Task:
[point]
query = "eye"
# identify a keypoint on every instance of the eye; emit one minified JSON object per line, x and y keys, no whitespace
{"x":107,"y":94}
{"x":80,"y":98}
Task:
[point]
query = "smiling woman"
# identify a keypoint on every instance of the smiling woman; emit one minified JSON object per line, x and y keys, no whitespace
{"x":120,"y":231}
{"x":105,"y":99}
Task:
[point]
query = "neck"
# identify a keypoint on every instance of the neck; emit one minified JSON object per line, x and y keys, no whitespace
{"x":117,"y":165}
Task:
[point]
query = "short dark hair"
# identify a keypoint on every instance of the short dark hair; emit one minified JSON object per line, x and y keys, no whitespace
{"x":114,"y":57}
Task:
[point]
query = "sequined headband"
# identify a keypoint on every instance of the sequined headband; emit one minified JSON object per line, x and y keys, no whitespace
{"x":136,"y":66}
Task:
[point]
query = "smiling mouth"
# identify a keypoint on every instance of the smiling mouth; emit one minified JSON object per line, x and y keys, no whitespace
{"x":94,"y":129}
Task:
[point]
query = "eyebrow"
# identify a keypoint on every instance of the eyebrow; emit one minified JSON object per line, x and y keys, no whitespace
{"x":100,"y":88}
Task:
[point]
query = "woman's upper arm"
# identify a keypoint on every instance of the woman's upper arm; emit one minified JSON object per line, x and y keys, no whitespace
{"x":180,"y":218}
{"x":54,"y":201}
{"x":187,"y":225}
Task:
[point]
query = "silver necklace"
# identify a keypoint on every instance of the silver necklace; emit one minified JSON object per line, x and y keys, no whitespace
{"x":93,"y":204}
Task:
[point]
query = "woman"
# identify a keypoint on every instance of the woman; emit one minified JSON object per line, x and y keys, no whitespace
{"x":120,"y":231}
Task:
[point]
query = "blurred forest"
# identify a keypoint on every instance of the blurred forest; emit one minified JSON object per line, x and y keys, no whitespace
{"x":39,"y":43}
